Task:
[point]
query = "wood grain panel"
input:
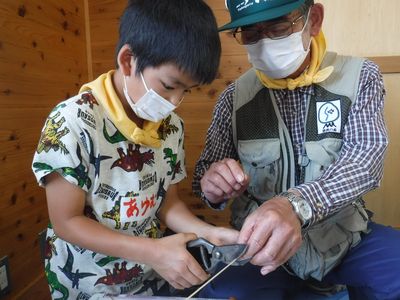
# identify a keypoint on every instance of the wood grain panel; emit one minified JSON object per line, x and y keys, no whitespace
{"x":42,"y":61}
{"x":104,"y":22}
{"x":363,"y":28}
{"x":387,"y":64}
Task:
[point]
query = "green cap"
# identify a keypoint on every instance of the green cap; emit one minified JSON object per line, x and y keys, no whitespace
{"x":246,"y":12}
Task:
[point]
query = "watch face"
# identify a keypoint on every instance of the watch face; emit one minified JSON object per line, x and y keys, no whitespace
{"x":305,"y":209}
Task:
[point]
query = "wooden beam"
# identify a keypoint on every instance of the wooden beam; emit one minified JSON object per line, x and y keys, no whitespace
{"x":387,"y":64}
{"x":88,"y":40}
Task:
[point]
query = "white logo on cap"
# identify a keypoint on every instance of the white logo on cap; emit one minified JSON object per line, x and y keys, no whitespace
{"x":243,"y":5}
{"x":247,"y":3}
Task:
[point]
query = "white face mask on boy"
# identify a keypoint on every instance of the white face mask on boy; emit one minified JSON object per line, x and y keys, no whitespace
{"x":279,"y":58}
{"x":151,"y":106}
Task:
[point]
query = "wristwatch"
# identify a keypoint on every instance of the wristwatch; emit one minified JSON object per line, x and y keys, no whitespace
{"x":301,"y":207}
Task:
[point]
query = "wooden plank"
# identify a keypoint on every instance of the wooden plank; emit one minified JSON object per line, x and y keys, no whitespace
{"x":38,"y":290}
{"x":42,"y":60}
{"x":104,"y":15}
{"x":387,"y":64}
{"x":88,"y":40}
{"x":364,"y":28}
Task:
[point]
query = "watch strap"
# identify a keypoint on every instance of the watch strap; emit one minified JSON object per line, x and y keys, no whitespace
{"x":294,"y":199}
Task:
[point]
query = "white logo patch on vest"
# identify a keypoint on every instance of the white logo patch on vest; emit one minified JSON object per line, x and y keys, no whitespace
{"x":329,"y":116}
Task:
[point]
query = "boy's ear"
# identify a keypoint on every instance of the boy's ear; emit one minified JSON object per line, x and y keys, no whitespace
{"x":125,"y":61}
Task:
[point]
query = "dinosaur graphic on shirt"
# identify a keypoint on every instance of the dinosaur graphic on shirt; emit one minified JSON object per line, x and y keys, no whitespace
{"x":182,"y":135}
{"x":54,"y":284}
{"x":114,"y":214}
{"x":73,"y":276}
{"x":120,"y":275}
{"x":154,"y":230}
{"x":95,"y":160}
{"x":79,"y":173}
{"x":161,"y":193}
{"x":59,"y":106}
{"x":173,"y":163}
{"x":106,"y":260}
{"x":166,"y":128}
{"x":50,"y":138}
{"x":87,"y":98}
{"x":49,"y":247}
{"x":115,"y":138}
{"x":133,"y":160}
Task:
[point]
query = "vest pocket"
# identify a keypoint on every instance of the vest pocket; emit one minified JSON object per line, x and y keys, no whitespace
{"x":321,"y":154}
{"x":261,"y":160}
{"x":325,"y":244}
{"x":241,"y":207}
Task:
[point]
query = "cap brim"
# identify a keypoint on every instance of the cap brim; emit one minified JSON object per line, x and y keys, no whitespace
{"x":261,"y":16}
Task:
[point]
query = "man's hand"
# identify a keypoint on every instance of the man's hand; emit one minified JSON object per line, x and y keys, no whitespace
{"x":174,"y":263}
{"x":223,"y":180}
{"x":273,"y":233}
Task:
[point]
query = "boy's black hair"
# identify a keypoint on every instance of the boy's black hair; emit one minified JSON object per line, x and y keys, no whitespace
{"x":183,"y":32}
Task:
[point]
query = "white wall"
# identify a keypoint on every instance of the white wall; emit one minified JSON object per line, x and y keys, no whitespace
{"x":372,"y":28}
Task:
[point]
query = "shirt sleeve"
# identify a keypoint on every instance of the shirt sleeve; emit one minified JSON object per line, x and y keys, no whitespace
{"x":359,"y":167}
{"x":61,"y":150}
{"x":219,"y":140}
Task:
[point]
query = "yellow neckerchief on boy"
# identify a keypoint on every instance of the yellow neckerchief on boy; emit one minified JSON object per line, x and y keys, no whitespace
{"x":311,"y":75}
{"x":103,"y":90}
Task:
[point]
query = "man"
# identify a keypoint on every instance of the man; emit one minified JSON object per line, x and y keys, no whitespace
{"x":297,"y":141}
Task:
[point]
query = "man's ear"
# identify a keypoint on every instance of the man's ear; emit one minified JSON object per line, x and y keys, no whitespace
{"x":316,"y":18}
{"x":125,"y":62}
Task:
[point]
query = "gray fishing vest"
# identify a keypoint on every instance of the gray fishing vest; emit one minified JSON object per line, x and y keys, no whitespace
{"x":265,"y":150}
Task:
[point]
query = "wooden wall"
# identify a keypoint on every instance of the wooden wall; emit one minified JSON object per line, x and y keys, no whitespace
{"x":42,"y":61}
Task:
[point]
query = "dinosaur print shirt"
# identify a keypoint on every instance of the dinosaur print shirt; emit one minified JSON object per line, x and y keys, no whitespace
{"x":125,"y":184}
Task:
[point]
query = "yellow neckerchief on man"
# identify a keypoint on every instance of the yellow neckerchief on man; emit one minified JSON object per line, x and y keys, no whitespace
{"x":311,"y":75}
{"x":103,"y":89}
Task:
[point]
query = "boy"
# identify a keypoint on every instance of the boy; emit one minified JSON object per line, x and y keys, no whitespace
{"x":110,"y":159}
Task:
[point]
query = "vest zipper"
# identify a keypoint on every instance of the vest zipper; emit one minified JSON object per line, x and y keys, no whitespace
{"x":303,"y":160}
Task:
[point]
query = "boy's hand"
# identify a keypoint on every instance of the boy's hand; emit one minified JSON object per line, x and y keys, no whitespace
{"x":223,"y":180}
{"x":175,"y":264}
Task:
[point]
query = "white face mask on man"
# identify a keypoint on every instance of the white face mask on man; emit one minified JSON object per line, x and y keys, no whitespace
{"x":151,"y":106}
{"x":279,"y":58}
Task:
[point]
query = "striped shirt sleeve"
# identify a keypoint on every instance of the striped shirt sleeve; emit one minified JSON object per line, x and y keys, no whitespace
{"x":359,"y":167}
{"x":219,"y":140}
